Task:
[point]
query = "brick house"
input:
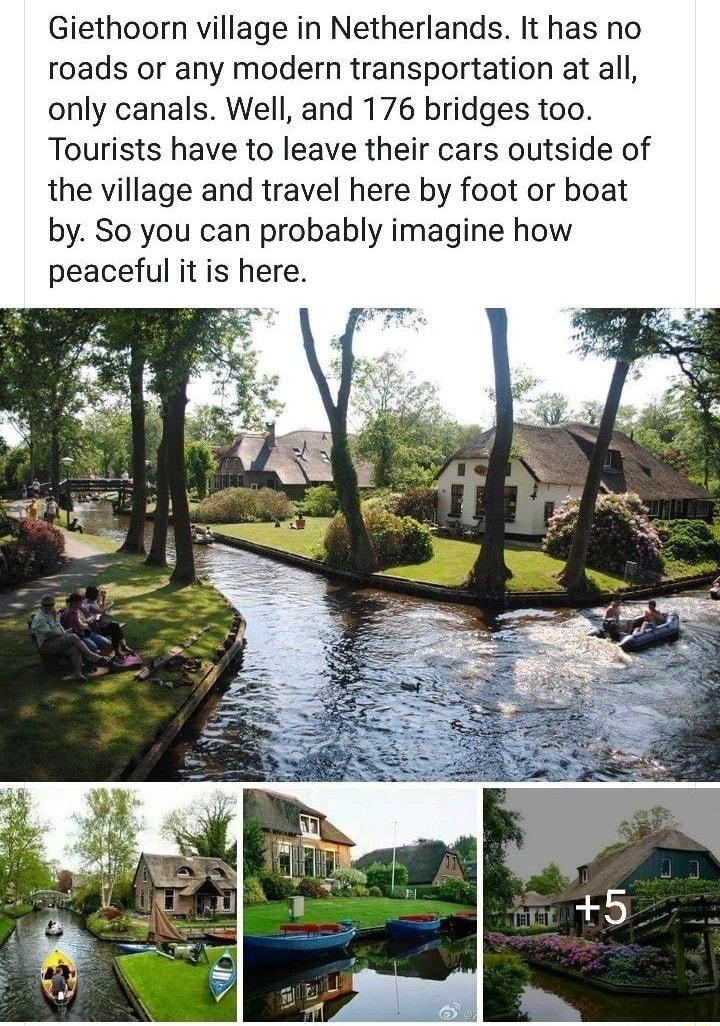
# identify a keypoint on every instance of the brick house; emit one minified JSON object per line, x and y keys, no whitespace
{"x":185,"y":885}
{"x":428,"y":862}
{"x":299,"y":840}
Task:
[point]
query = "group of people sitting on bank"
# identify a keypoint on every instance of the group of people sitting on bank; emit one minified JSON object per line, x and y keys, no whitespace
{"x":84,"y":631}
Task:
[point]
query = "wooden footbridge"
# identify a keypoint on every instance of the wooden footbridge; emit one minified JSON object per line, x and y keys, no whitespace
{"x":677,"y":918}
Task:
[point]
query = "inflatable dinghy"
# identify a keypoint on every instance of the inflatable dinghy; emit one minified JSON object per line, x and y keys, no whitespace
{"x":629,"y":637}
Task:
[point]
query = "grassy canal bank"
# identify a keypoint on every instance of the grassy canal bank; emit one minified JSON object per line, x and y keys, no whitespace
{"x":58,"y":729}
{"x":133,"y":929}
{"x":167,"y":990}
{"x":533,"y":570}
{"x":367,"y":912}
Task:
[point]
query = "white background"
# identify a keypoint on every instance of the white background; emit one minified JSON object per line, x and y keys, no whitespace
{"x":643,"y":253}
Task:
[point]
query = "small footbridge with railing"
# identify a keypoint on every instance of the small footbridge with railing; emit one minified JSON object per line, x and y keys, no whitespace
{"x":677,"y":918}
{"x":48,"y":897}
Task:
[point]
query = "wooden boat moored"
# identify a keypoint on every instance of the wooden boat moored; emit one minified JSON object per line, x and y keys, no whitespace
{"x":222,"y":936}
{"x":134,"y":949}
{"x":222,"y":975}
{"x":296,"y":943}
{"x":413,"y":927}
{"x":465,"y":921}
{"x":52,"y":961}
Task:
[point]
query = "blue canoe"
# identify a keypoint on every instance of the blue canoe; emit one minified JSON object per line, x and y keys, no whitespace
{"x":413,"y":927}
{"x":295,"y":946}
{"x":134,"y":949}
{"x":222,"y":975}
{"x":668,"y":631}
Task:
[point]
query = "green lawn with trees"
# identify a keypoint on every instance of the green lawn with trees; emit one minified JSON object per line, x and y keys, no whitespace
{"x":104,"y":722}
{"x":175,"y":991}
{"x":367,"y":912}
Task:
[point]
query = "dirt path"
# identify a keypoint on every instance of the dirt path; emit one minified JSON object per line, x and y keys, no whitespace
{"x":84,"y":565}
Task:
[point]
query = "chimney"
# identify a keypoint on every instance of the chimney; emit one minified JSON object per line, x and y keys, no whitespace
{"x":270,"y":438}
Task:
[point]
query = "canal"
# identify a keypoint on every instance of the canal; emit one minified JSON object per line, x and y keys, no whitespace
{"x":339,"y":683}
{"x":549,"y":997}
{"x":99,"y":998}
{"x":376,"y":982}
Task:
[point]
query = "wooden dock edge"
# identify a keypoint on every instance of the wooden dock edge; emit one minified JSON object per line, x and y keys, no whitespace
{"x":135,"y":1001}
{"x":139,"y":767}
{"x":459,"y":596}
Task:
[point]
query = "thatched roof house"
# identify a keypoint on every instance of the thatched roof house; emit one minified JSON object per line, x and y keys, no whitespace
{"x":428,"y":862}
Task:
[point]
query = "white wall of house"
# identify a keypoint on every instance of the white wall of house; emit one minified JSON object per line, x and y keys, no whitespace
{"x":530,"y":513}
{"x":534,"y":916}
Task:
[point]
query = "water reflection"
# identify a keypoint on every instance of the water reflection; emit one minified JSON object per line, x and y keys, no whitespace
{"x":99,"y":998}
{"x":378,"y":982}
{"x":356,"y":684}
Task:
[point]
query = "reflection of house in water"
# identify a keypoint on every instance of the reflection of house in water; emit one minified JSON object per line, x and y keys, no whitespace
{"x":316,"y":995}
{"x":434,"y":960}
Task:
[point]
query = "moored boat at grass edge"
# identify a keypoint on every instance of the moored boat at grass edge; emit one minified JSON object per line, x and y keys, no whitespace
{"x":228,"y":936}
{"x":222,"y":975}
{"x":466,"y":920}
{"x":412,"y":927}
{"x":54,"y":959}
{"x":128,"y":948}
{"x":296,"y":942}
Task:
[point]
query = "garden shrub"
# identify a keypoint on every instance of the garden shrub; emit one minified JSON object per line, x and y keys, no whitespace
{"x":621,"y":531}
{"x":360,"y":892}
{"x":273,"y":505}
{"x":276,"y":887}
{"x":689,"y":541}
{"x":419,"y":503}
{"x":504,"y":977}
{"x":458,"y":890}
{"x":426,"y":891}
{"x":253,"y":893}
{"x":311,"y":887}
{"x":37,"y":548}
{"x":345,"y":878}
{"x":228,"y":506}
{"x":111,"y":912}
{"x":395,"y":540}
{"x":320,"y":501}
{"x":374,"y":892}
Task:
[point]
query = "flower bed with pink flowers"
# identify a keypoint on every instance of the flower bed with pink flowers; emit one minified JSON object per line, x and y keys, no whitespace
{"x":620,"y":964}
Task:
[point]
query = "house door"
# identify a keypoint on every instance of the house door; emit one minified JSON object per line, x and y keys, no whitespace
{"x":206,"y":903}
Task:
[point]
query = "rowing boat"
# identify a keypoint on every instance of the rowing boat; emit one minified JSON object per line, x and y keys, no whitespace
{"x":52,"y":961}
{"x":222,"y":975}
{"x":296,"y":943}
{"x":413,"y":927}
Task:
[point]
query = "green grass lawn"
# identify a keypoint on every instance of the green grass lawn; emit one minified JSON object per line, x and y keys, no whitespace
{"x":367,"y":912}
{"x":57,"y":729}
{"x":94,"y":541}
{"x":452,"y":561}
{"x":16,"y":911}
{"x":175,"y":991}
{"x":136,"y":929}
{"x":7,"y":925}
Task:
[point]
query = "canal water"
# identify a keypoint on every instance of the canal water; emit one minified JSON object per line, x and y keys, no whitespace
{"x":549,"y":997}
{"x":99,"y":998}
{"x":377,"y":982}
{"x":339,"y":683}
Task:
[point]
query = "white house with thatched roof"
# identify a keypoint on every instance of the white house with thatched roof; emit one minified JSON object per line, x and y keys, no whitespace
{"x":185,"y":885}
{"x":549,"y":465}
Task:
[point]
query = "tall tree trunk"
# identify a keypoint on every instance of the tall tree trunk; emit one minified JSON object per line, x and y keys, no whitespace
{"x":490,"y":573}
{"x":135,"y":538}
{"x":55,"y":460}
{"x":573,"y":576}
{"x":344,"y":474}
{"x":158,"y":547}
{"x":184,"y":572}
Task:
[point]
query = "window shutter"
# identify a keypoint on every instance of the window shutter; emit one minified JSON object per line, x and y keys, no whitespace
{"x":297,"y":862}
{"x":275,"y":858}
{"x":322,"y":864}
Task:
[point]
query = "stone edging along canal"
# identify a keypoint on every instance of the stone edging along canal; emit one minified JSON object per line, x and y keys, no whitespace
{"x":134,"y":999}
{"x":612,"y":988}
{"x":443,"y":593}
{"x":141,"y":765}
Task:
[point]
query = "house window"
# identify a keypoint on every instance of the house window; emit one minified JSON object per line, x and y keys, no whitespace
{"x":694,"y":870}
{"x":510,"y":504}
{"x":450,"y":861}
{"x":549,"y":510}
{"x":330,"y":863}
{"x":461,"y":470}
{"x":333,"y":981}
{"x":284,"y":863}
{"x":665,"y":869}
{"x":541,"y":918}
{"x":613,"y":460}
{"x":508,"y":469}
{"x":183,"y":872}
{"x":144,"y":874}
{"x":456,"y":500}
{"x":227,"y":901}
{"x":309,"y":861}
{"x":142,"y":899}
{"x":169,"y":899}
{"x":216,"y":873}
{"x":523,"y":918}
{"x":583,"y":874}
{"x":310,"y":825}
{"x":287,"y":997}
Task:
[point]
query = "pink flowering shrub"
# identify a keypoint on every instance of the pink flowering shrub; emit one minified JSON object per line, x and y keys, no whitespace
{"x":621,"y":531}
{"x":620,"y":963}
